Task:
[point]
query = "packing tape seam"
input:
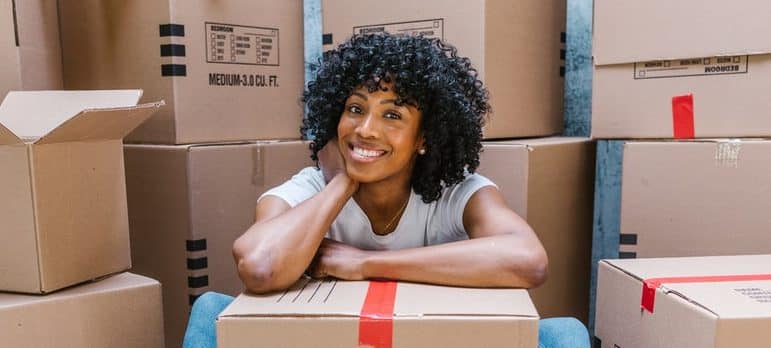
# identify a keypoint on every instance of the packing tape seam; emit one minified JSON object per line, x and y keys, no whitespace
{"x":650,"y":285}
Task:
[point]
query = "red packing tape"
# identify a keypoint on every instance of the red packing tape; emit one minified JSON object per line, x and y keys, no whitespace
{"x":377,"y":313}
{"x":682,"y":117}
{"x":650,"y":285}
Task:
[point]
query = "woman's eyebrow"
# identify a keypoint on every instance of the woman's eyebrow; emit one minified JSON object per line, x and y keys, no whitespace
{"x":362,"y":96}
{"x":389,"y":101}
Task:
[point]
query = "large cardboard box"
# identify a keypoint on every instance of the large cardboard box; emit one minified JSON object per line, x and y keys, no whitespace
{"x":515,"y":47}
{"x":549,"y":182}
{"x":29,"y":46}
{"x":188,"y":204}
{"x":121,"y":311}
{"x":695,"y":198}
{"x":62,"y":187}
{"x":715,"y":302}
{"x":649,"y":54}
{"x":380,"y":314}
{"x":230,"y":70}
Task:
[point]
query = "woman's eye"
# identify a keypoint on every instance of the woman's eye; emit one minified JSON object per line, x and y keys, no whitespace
{"x":393,"y":115}
{"x":354,"y":109}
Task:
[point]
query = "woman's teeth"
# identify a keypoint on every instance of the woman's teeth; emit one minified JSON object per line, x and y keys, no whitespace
{"x":367,"y":153}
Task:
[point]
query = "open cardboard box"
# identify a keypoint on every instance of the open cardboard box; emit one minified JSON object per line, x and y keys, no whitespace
{"x":62,"y":186}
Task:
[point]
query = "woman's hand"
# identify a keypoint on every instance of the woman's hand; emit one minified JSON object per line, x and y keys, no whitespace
{"x":338,"y":260}
{"x":331,"y":160}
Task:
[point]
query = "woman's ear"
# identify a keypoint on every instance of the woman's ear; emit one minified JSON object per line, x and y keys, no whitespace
{"x":421,"y":145}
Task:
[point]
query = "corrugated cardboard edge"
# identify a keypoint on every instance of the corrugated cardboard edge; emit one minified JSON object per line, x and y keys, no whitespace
{"x":73,"y":121}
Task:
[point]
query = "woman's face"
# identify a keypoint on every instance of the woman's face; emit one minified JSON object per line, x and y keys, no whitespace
{"x":379,"y":139}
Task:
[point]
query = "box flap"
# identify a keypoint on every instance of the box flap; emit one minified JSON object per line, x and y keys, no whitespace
{"x":743,"y":299}
{"x":332,"y":298}
{"x":7,"y":137}
{"x":101,"y":124}
{"x":627,"y":31}
{"x":31,"y":114}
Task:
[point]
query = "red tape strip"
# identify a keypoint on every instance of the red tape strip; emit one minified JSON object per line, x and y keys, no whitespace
{"x":650,"y":285}
{"x":377,"y":313}
{"x":682,"y":117}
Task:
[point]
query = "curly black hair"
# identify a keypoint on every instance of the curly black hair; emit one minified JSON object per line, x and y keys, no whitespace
{"x":426,"y":72}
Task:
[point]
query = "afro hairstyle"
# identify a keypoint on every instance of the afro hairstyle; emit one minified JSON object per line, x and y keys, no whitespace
{"x":425,"y":72}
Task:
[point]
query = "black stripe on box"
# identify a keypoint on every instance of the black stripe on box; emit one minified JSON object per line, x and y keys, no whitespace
{"x":195,"y":245}
{"x":173,"y":70}
{"x":563,"y":37}
{"x":191,"y":298}
{"x":628,"y":239}
{"x":172,"y":50}
{"x":627,"y":255}
{"x":171,"y":30}
{"x":326,"y":39}
{"x":15,"y":23}
{"x":197,"y":282}
{"x":562,"y":71}
{"x":562,"y":54}
{"x":199,"y":263}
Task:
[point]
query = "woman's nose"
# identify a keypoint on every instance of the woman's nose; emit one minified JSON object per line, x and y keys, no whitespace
{"x":367,"y":128}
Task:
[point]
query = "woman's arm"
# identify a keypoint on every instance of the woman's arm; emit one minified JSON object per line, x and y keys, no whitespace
{"x":503,"y":251}
{"x":274,"y":252}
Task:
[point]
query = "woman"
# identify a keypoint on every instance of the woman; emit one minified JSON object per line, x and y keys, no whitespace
{"x":396,"y":128}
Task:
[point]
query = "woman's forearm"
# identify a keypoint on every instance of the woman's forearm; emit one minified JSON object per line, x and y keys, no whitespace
{"x":274,"y":252}
{"x":496,"y":261}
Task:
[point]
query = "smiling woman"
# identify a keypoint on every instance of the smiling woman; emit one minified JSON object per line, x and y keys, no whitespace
{"x":395,"y":124}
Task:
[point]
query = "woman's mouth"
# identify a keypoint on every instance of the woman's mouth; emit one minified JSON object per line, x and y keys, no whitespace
{"x":365,"y":155}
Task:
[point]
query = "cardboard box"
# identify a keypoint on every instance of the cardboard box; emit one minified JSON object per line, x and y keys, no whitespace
{"x":62,"y":188}
{"x":353,"y":314}
{"x":515,"y":47}
{"x":695,"y":198}
{"x":230,"y":70}
{"x":121,"y":311}
{"x":647,"y":53}
{"x":29,"y":46}
{"x":733,"y":309}
{"x":549,"y":182}
{"x":188,"y":204}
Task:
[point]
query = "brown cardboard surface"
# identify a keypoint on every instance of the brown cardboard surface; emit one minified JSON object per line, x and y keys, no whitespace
{"x":188,"y":204}
{"x":725,"y":314}
{"x":65,"y":201}
{"x":720,"y":57}
{"x":629,"y":31}
{"x":119,"y":311}
{"x":724,"y":105}
{"x":513,"y":45}
{"x":29,"y":46}
{"x":549,"y":181}
{"x":696,"y":198}
{"x":120,"y":45}
{"x":450,"y":317}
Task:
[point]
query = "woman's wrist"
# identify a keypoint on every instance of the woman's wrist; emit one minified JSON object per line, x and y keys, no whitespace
{"x":349,"y":185}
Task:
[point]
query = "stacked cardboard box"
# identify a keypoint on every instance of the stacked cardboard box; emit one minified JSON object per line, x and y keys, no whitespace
{"x":29,"y":46}
{"x":515,"y":47}
{"x":188,"y":204}
{"x":229,"y":70}
{"x":63,"y":207}
{"x":684,"y":194}
{"x":695,"y":302}
{"x":232,"y":73}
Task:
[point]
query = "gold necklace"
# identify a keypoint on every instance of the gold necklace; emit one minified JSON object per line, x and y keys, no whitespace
{"x":388,"y":226}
